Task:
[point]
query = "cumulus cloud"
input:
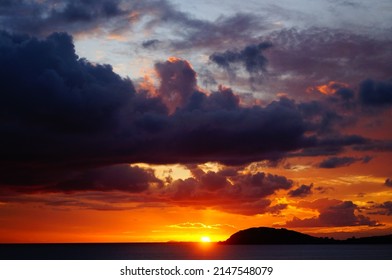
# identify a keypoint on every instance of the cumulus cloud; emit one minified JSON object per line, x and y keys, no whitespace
{"x":111,"y":178}
{"x":229,"y":191}
{"x":178,"y":82}
{"x":79,"y":116}
{"x":333,"y":213}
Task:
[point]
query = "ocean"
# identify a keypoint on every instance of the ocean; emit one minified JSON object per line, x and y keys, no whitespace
{"x":192,"y":251}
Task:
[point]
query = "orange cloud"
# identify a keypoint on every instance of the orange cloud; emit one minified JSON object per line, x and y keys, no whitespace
{"x":327,"y":89}
{"x":147,"y":85}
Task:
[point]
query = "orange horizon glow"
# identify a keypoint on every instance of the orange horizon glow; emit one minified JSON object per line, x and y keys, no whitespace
{"x":190,"y":221}
{"x":205,"y":239}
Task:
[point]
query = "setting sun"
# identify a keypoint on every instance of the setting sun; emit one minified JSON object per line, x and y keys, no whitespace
{"x":205,"y":239}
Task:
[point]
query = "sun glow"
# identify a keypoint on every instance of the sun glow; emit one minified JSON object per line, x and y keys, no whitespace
{"x":205,"y":239}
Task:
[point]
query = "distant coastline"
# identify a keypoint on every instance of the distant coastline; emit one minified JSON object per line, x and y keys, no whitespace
{"x":267,"y":235}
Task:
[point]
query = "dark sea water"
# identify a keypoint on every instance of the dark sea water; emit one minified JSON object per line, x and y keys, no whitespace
{"x":192,"y":251}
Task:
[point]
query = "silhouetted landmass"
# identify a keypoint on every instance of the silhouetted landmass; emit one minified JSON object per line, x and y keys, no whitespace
{"x":265,"y":235}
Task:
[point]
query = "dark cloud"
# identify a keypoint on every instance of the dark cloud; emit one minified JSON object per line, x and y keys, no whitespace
{"x":111,"y":178}
{"x":229,"y":191}
{"x":388,"y":182}
{"x":251,"y":58}
{"x":329,"y":115}
{"x":276,"y":209}
{"x":324,"y":189}
{"x":376,"y":93}
{"x":345,"y":94}
{"x":335,"y":162}
{"x":375,"y":145}
{"x":57,"y":89}
{"x":61,"y":114}
{"x":178,"y":82}
{"x":45,"y":17}
{"x":336,"y":214}
{"x":69,"y":109}
{"x":151,"y":44}
{"x":381,"y":209}
{"x":334,"y":144}
{"x":240,"y":132}
{"x":228,"y":183}
{"x":41,"y":18}
{"x":301,"y":191}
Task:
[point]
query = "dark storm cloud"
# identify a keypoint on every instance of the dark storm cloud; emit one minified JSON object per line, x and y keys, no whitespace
{"x":234,"y":133}
{"x":301,"y":191}
{"x":110,"y":178}
{"x":61,"y":114}
{"x":376,"y":93}
{"x":334,"y":162}
{"x":346,"y":94}
{"x":118,"y":16}
{"x":334,"y":214}
{"x":44,"y":17}
{"x":58,"y":110}
{"x":71,"y":109}
{"x":113,"y":178}
{"x":251,"y":58}
{"x":381,"y":209}
{"x":44,"y":83}
{"x":328,"y":115}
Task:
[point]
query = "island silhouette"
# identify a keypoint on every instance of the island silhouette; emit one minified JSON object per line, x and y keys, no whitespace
{"x":267,"y":235}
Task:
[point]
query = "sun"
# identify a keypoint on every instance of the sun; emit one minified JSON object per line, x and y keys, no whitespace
{"x":205,"y":239}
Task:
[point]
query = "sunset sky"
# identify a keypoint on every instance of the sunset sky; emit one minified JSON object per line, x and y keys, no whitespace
{"x":158,"y":120}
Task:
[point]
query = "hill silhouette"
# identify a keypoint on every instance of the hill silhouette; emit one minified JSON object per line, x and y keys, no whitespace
{"x":266,"y":235}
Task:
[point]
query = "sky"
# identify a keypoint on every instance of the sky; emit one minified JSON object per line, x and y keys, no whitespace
{"x":168,"y":120}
